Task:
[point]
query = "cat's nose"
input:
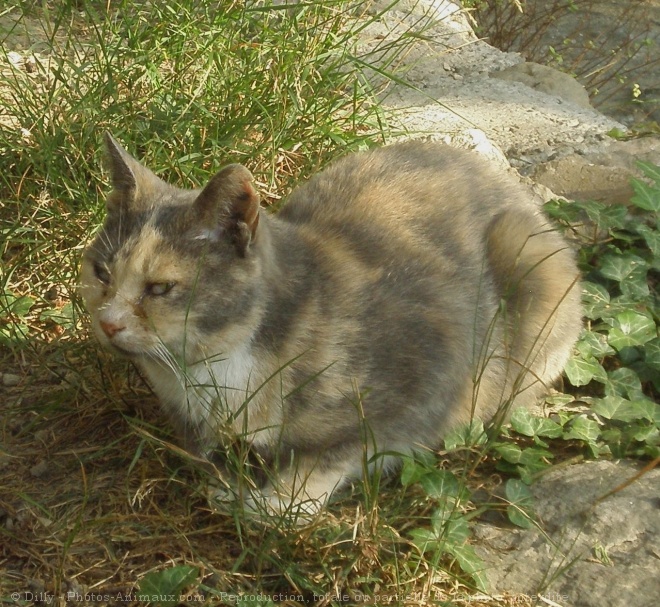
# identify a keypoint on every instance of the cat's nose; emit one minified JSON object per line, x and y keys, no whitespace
{"x":110,"y":329}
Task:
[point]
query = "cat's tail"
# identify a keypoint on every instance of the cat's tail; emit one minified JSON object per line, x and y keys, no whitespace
{"x":538,"y":283}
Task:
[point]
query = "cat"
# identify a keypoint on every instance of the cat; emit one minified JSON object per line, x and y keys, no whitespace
{"x":400,"y":292}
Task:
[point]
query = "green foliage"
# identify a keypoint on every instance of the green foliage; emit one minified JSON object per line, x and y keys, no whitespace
{"x":187,"y":82}
{"x":468,"y":435}
{"x":613,"y":376}
{"x":190,"y":86}
{"x":13,"y":310}
{"x":616,"y":366}
{"x":520,"y":508}
{"x":165,"y":587}
{"x":446,"y":538}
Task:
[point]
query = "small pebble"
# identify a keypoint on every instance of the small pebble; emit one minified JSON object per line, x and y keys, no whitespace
{"x":9,"y":379}
{"x":16,"y":59}
{"x":39,"y":469}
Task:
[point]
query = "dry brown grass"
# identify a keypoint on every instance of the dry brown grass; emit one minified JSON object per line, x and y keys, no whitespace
{"x":92,"y":501}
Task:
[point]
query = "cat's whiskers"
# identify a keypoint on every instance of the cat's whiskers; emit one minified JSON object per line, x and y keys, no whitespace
{"x":104,"y":239}
{"x":162,"y":354}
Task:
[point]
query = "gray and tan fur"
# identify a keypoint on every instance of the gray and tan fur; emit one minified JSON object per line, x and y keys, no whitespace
{"x":398,"y":293}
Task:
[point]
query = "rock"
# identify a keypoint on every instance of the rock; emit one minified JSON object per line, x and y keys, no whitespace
{"x":523,"y":122}
{"x":546,"y":79}
{"x":10,"y":380}
{"x":585,"y":552}
{"x":40,"y":469}
{"x":475,"y":139}
{"x":576,"y":178}
{"x":547,"y":130}
{"x":600,"y":173}
{"x":582,"y":540}
{"x":15,"y":59}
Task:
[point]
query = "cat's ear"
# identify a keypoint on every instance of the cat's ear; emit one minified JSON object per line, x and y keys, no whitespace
{"x":131,"y":181}
{"x":229,"y":204}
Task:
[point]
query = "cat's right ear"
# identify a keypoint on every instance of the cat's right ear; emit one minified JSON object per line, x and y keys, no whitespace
{"x":131,"y":181}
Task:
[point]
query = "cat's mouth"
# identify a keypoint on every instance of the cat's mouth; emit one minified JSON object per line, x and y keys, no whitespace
{"x":133,"y":353}
{"x":123,"y":351}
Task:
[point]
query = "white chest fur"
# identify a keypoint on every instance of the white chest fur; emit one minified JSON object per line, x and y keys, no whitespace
{"x":222,"y":391}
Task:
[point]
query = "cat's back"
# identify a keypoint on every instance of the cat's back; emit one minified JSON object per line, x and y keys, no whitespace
{"x":414,"y":184}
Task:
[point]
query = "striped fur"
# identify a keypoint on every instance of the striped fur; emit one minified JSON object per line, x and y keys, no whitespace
{"x":398,"y":293}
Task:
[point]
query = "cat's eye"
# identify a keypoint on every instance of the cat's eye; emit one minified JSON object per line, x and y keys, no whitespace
{"x":102,"y":273}
{"x":159,"y":288}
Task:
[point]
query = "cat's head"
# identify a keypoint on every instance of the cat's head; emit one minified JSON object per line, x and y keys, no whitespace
{"x":172,"y":269}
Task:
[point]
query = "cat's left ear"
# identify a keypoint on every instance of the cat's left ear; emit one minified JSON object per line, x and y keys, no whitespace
{"x":229,"y":204}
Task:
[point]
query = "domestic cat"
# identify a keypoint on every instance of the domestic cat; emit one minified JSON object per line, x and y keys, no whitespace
{"x":398,"y":293}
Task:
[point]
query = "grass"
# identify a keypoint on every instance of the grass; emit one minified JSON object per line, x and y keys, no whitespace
{"x":96,"y":501}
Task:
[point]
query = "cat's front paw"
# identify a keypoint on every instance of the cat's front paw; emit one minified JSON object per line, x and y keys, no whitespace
{"x":221,"y":494}
{"x":269,"y":504}
{"x":263,"y":504}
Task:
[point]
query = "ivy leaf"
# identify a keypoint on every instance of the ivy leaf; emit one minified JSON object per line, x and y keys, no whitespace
{"x":520,"y":509}
{"x":594,"y":345}
{"x":652,"y":353}
{"x":532,"y":461}
{"x":651,"y":170}
{"x":635,"y":286}
{"x":509,"y":452}
{"x":606,"y":216}
{"x":620,"y":266}
{"x":534,"y":458}
{"x":19,"y":306}
{"x":467,"y":435}
{"x":593,"y":209}
{"x":583,"y":429}
{"x":456,"y":530}
{"x":411,"y":471}
{"x":523,"y":422}
{"x":446,"y":529}
{"x":631,"y":328}
{"x":595,"y":299}
{"x":424,"y":539}
{"x":62,"y":316}
{"x":624,"y":382}
{"x":649,"y":434}
{"x":651,"y":237}
{"x":165,"y":583}
{"x":647,"y":409}
{"x":580,"y":371}
{"x":621,"y":409}
{"x":417,"y":465}
{"x":470,"y":563}
{"x":439,"y":484}
{"x":559,"y":399}
{"x":646,"y":197}
{"x":559,"y":210}
{"x":14,"y":333}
